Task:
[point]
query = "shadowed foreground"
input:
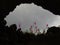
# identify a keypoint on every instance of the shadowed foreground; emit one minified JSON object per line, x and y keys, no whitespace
{"x":12,"y":36}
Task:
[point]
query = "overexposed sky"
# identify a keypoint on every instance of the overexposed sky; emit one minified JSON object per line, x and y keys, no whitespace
{"x":27,"y":14}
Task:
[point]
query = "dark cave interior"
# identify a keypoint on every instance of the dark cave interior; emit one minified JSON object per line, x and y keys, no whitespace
{"x":9,"y":35}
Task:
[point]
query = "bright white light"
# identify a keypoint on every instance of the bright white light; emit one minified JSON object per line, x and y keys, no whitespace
{"x":27,"y":14}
